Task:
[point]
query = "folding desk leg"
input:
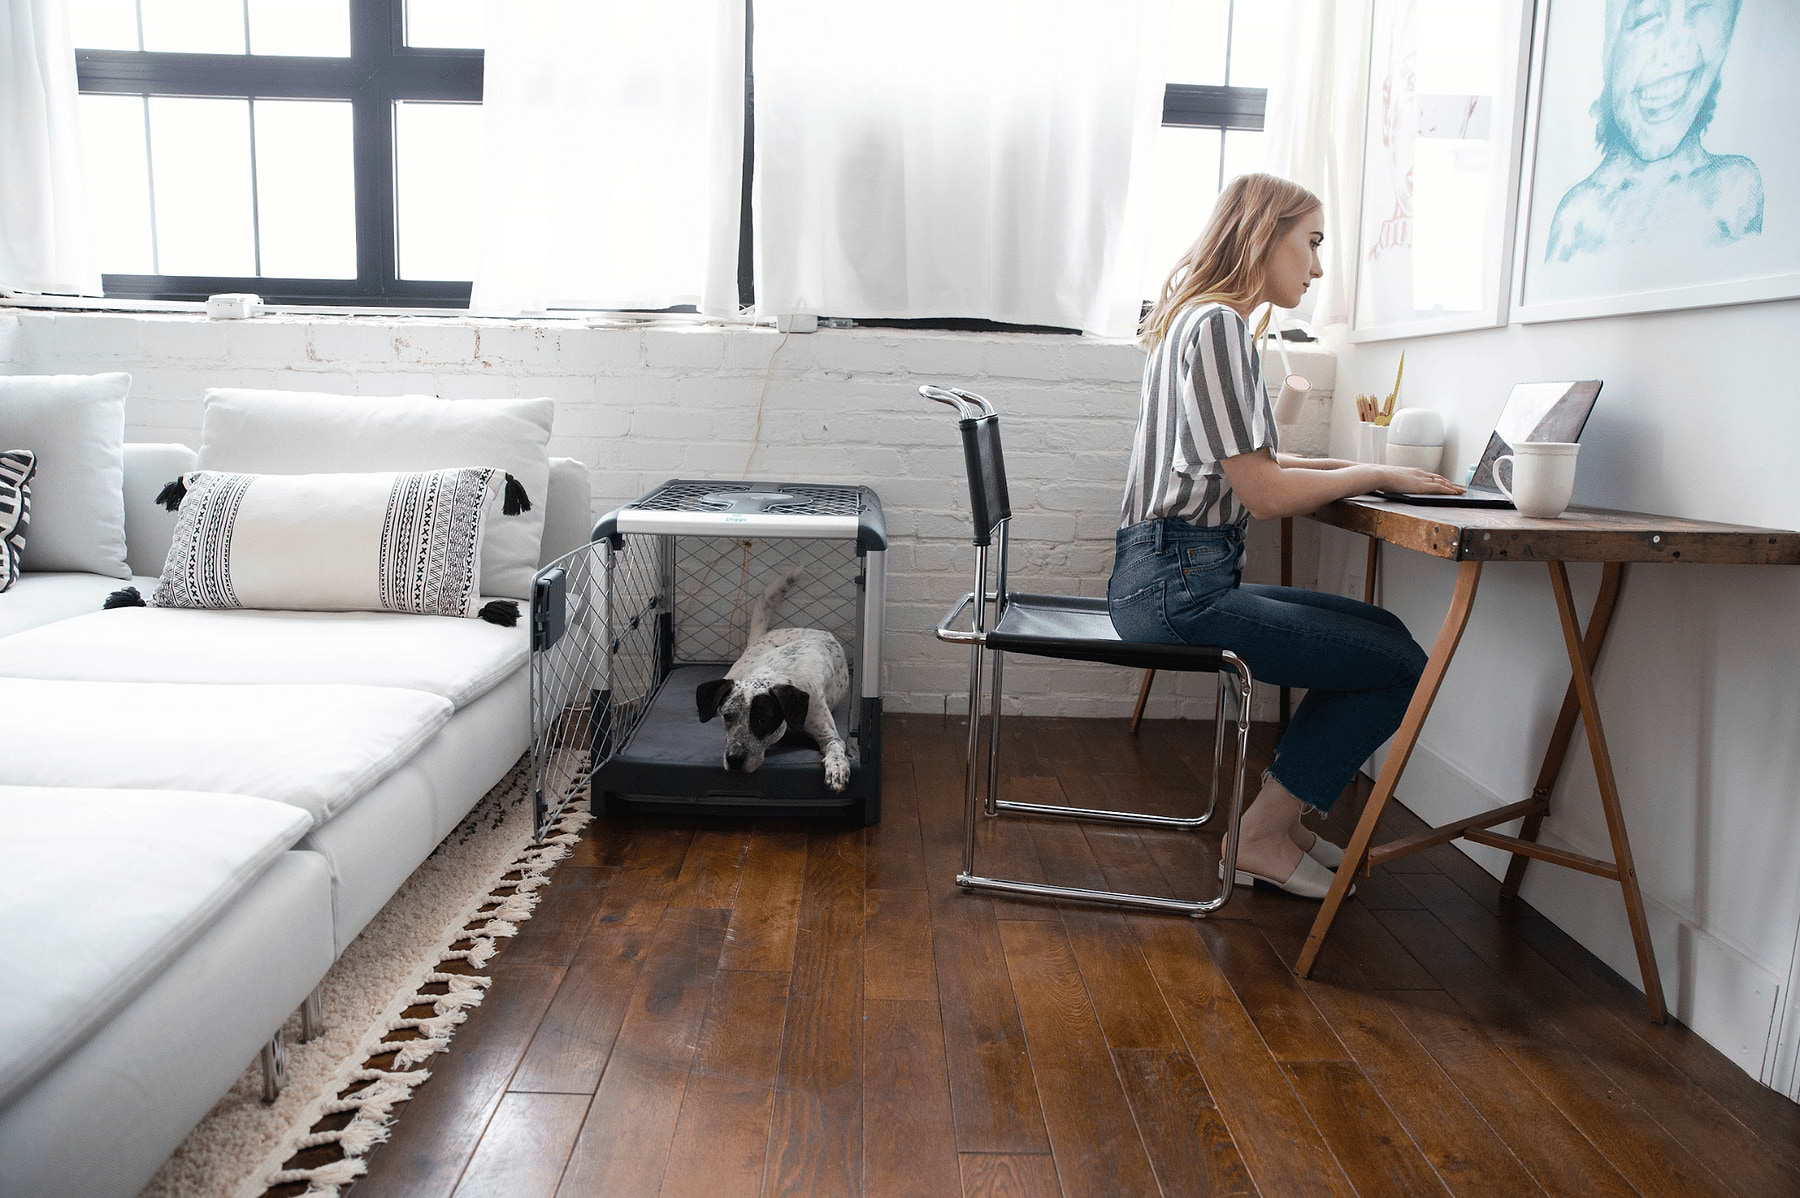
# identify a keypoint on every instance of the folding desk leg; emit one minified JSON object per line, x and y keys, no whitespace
{"x":1564,"y":731}
{"x":1468,"y":575}
{"x":1287,"y":580}
{"x":1369,"y":570}
{"x":1137,"y":713}
{"x":1609,"y":793}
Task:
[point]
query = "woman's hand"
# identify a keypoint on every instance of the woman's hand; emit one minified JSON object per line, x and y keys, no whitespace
{"x":1413,"y":481}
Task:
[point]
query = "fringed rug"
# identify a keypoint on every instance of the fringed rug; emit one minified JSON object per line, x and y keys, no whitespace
{"x":392,"y":1001}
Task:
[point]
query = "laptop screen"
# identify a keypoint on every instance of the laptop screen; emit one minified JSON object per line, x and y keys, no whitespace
{"x":1537,"y":412}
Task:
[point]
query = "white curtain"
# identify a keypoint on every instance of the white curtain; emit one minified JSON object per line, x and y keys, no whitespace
{"x":612,"y":155}
{"x":1313,"y":133}
{"x":46,"y":226}
{"x":956,"y":158}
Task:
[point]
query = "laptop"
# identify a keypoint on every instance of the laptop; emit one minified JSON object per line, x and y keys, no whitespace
{"x":1533,"y":412}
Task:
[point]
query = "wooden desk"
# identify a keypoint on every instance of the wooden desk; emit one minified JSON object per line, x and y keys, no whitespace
{"x":1473,"y":537}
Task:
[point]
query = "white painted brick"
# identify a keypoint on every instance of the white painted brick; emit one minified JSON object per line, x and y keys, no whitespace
{"x":1026,"y":356}
{"x":489,"y":384}
{"x":947,"y":359}
{"x":263,"y":342}
{"x":517,"y":347}
{"x":600,"y":349}
{"x":674,"y":424}
{"x":330,"y":382}
{"x":684,"y":348}
{"x":754,"y":349}
{"x":853,"y":351}
{"x":1077,"y":497}
{"x":94,"y":340}
{"x":12,"y":338}
{"x":349,"y":343}
{"x":698,"y":392}
{"x":1105,"y":361}
{"x":639,"y":453}
{"x":435,"y":343}
{"x":714,"y":459}
{"x":180,"y":339}
{"x":574,"y":390}
{"x":386,"y":383}
{"x":589,"y":420}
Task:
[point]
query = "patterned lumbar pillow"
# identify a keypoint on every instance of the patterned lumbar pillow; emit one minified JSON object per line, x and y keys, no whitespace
{"x":400,"y":542}
{"x":16,"y":468}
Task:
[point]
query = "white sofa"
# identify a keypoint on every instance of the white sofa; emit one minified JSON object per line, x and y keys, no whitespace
{"x":199,"y":810}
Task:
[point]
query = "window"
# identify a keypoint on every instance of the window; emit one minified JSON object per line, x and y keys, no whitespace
{"x":310,"y":151}
{"x":1220,"y":56}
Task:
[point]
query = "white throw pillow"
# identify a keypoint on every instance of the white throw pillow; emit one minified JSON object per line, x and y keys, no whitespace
{"x":75,"y":424}
{"x":16,"y":469}
{"x":401,"y":542}
{"x":286,"y":432}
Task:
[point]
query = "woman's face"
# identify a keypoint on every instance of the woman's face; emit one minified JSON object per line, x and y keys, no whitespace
{"x":1294,"y":261}
{"x":1665,"y":59}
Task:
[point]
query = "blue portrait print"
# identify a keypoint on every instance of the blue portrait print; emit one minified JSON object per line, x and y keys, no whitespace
{"x":1661,"y":66}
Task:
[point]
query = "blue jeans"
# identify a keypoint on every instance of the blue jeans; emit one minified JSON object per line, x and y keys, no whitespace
{"x":1174,"y":583}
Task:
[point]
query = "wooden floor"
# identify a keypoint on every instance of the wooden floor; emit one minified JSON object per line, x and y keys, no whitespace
{"x":711,"y":1008}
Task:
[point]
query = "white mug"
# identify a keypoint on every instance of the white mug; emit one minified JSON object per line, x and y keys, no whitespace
{"x":1543,"y":477}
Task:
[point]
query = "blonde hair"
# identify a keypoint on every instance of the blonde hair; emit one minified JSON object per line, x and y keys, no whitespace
{"x":1228,"y":262}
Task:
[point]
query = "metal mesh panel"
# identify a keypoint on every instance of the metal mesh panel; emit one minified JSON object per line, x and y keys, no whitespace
{"x":719,"y":579}
{"x":799,"y":498}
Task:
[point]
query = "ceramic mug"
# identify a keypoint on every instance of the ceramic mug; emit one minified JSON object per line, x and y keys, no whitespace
{"x":1543,"y":477}
{"x":1371,"y":443}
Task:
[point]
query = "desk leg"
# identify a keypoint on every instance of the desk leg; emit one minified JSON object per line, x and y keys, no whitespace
{"x":1609,"y":792}
{"x":1287,"y":580}
{"x":1137,"y":713}
{"x":1369,"y":570}
{"x":1564,"y":731}
{"x":1468,"y":576}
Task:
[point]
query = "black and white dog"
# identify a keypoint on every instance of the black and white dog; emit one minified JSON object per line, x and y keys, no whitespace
{"x":786,"y":679}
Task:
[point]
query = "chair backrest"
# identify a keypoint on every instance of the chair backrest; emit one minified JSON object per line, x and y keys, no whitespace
{"x":979,"y":424}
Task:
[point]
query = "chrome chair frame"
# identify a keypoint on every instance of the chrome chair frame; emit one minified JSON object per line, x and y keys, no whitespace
{"x":1239,"y":683}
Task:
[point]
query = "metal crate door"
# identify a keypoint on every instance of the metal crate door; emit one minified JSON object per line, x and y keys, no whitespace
{"x":600,"y":644}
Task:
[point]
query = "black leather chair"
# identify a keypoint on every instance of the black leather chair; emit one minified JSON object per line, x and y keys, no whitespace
{"x":1070,"y":627}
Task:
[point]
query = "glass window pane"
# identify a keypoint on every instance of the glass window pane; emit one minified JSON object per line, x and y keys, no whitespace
{"x":1258,"y":28}
{"x":312,"y":28}
{"x":112,"y":140}
{"x":437,"y":148}
{"x":200,"y":162}
{"x":305,"y":197}
{"x":194,"y":26}
{"x":456,"y":24}
{"x":1243,"y":152}
{"x":1196,"y":52}
{"x":104,"y":24}
{"x":1187,"y":184}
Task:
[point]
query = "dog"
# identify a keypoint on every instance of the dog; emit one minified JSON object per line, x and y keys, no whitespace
{"x":788,"y":679}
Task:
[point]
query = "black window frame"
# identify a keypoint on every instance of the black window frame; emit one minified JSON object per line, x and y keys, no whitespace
{"x":380,"y":71}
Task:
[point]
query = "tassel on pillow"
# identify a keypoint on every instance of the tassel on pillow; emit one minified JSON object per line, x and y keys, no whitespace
{"x":516,"y":500}
{"x":123,"y":597}
{"x":172,"y":495}
{"x":504,"y":612}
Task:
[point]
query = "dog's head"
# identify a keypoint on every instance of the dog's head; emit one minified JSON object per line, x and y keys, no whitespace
{"x":757,"y":714}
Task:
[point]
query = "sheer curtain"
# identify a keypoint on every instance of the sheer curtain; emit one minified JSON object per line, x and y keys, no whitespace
{"x":1313,"y":133}
{"x":956,"y":158}
{"x":612,"y":155}
{"x":46,"y":226}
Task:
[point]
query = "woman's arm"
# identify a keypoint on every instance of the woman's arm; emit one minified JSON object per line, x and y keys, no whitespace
{"x":1293,"y":461}
{"x":1272,"y":491}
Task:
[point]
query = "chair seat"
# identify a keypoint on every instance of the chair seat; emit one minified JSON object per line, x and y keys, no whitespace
{"x":1078,"y":628}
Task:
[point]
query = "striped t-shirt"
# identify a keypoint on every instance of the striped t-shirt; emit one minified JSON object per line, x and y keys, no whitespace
{"x":1203,"y":401}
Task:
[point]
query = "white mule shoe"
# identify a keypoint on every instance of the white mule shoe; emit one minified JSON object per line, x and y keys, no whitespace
{"x":1324,"y":852}
{"x":1310,"y":880}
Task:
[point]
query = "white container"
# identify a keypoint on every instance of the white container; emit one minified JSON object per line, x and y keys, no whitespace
{"x":1417,"y":426}
{"x":1419,"y":457}
{"x":1371,"y":442}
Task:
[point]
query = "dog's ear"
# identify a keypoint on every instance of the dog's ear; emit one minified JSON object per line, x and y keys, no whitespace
{"x":709,"y":695}
{"x":794,"y":702}
{"x":765,"y":715}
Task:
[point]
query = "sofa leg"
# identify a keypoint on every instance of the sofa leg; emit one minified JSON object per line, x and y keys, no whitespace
{"x":312,"y":1015}
{"x":274,"y":1067}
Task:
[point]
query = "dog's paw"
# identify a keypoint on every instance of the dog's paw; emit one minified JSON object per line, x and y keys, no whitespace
{"x":837,"y":771}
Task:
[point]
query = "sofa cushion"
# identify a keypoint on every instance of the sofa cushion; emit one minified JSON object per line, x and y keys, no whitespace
{"x":458,"y":660}
{"x":408,"y":541}
{"x":16,"y":468}
{"x":75,"y":424}
{"x":280,"y":432}
{"x":318,"y":748}
{"x":149,"y":466}
{"x":104,"y":887}
{"x":38,"y":599}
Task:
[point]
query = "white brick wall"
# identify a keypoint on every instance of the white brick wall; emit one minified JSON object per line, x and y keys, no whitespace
{"x":643,"y":405}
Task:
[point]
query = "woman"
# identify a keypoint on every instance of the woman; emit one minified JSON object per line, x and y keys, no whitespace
{"x":1204,"y":460}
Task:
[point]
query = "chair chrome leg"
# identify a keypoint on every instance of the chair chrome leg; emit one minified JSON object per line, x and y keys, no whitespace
{"x":274,"y":1067}
{"x":973,"y":759}
{"x":1212,"y":801}
{"x":312,"y":1015}
{"x":993,"y":779}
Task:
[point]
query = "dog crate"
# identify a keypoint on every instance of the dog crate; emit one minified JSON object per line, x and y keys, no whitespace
{"x":625,"y":629}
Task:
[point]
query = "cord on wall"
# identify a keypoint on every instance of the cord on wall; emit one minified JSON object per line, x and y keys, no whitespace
{"x":761,"y":398}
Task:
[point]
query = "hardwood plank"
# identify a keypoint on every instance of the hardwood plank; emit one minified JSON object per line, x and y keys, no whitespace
{"x":896,"y":853}
{"x":714,"y":864}
{"x":1190,"y":1147}
{"x":1092,"y":1133}
{"x":1290,"y":1025}
{"x":1371,"y":959}
{"x":1375,"y":1151}
{"x":527,"y":1142}
{"x":1008,"y":1175}
{"x":624,"y":1143}
{"x":554,"y":932}
{"x":437,"y":1130}
{"x":909,"y":1138}
{"x":1469,"y":1158}
{"x":897,"y":947}
{"x":815,"y":1128}
{"x":1282,"y":1149}
{"x":722,"y":1134}
{"x":766,"y":917}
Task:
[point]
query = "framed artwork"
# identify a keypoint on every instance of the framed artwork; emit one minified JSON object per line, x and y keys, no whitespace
{"x":1440,"y":166}
{"x":1662,"y":165}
